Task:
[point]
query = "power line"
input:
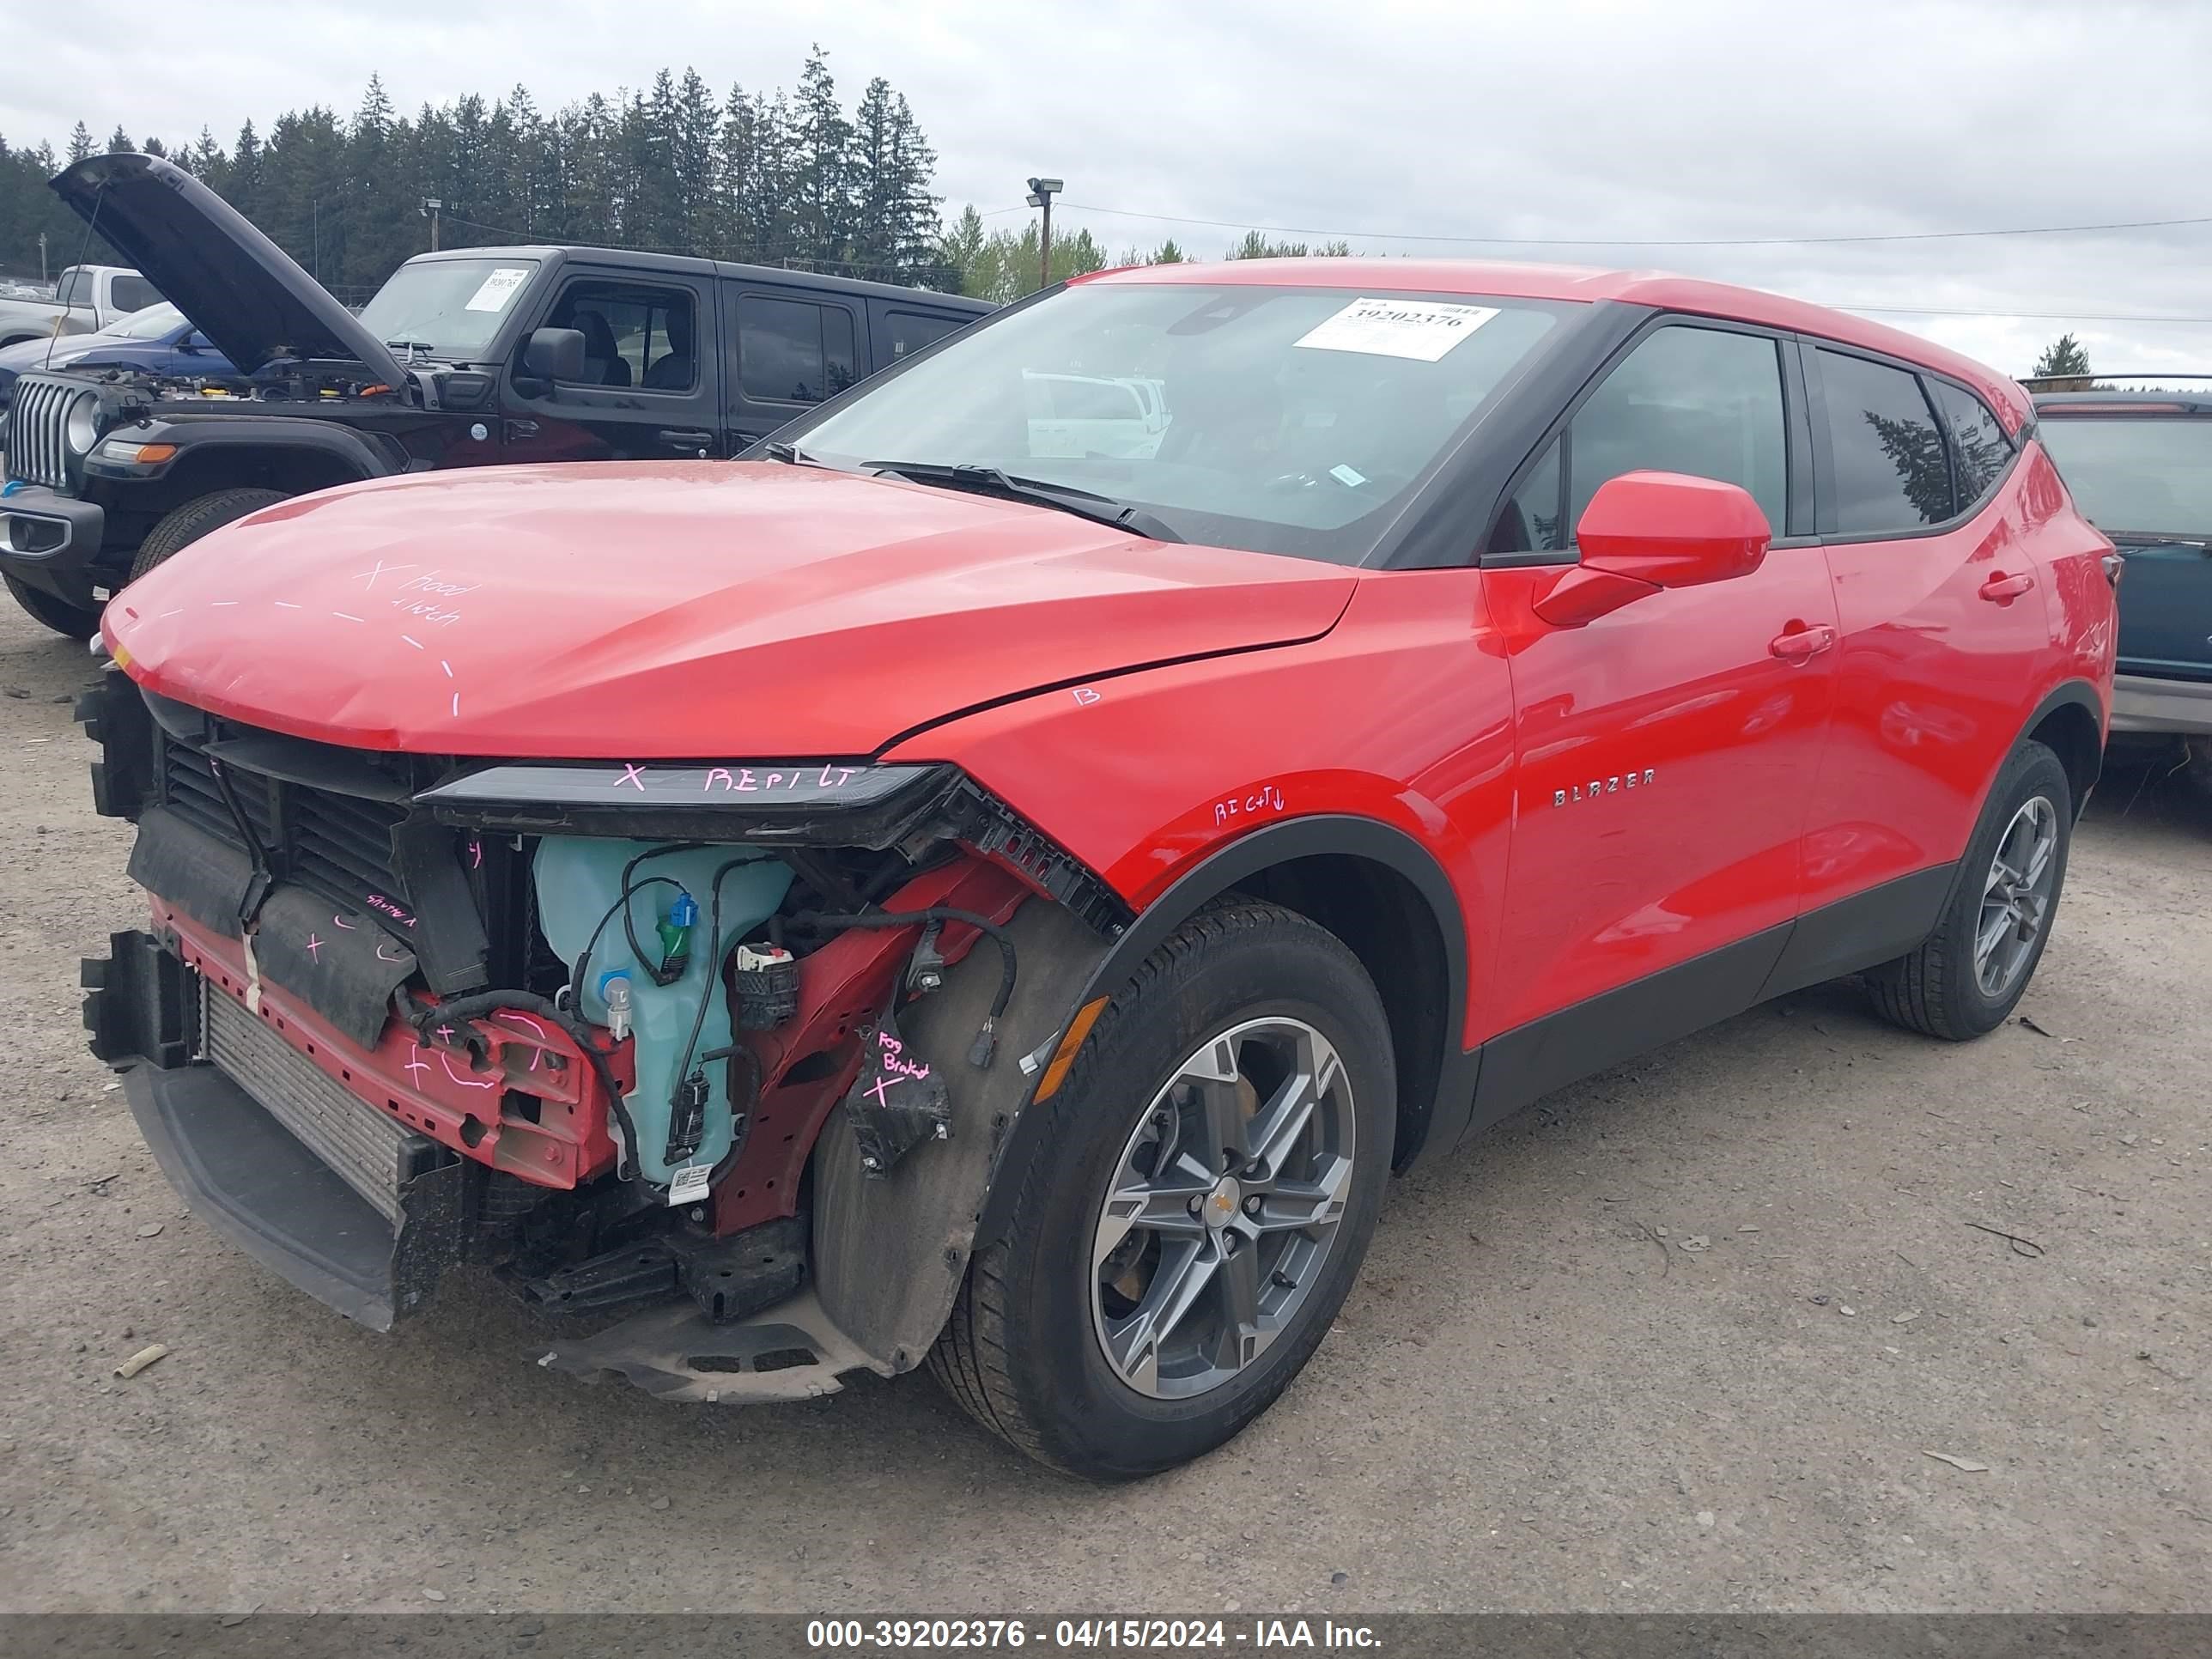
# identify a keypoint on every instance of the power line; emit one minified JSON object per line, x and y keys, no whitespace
{"x":1618,"y":241}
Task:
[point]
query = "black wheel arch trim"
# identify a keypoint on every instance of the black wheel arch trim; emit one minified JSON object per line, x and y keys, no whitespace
{"x":369,"y":454}
{"x":1221,"y":871}
{"x":2078,"y":694}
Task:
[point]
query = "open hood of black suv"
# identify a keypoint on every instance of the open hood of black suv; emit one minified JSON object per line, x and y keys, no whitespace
{"x":239,"y":288}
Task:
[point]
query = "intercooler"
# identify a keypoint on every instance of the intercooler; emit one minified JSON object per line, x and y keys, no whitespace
{"x":370,"y":1152}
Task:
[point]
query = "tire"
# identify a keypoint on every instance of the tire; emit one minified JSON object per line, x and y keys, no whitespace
{"x":1947,"y":988}
{"x":1026,"y":1349}
{"x":72,"y":622}
{"x":185,"y":525}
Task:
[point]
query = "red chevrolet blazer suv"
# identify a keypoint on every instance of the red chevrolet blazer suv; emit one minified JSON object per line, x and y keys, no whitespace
{"x":1000,"y":877}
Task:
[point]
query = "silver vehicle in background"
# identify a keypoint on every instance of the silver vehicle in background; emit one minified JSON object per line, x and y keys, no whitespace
{"x":88,"y":298}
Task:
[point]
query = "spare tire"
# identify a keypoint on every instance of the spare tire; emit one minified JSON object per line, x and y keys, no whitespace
{"x":187,"y":523}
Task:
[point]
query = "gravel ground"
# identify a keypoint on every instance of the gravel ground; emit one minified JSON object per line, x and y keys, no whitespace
{"x":1681,"y":1338}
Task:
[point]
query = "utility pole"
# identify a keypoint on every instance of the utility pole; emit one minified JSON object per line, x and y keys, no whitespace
{"x":1042,"y":190}
{"x":42,"y":258}
{"x":432,"y":207}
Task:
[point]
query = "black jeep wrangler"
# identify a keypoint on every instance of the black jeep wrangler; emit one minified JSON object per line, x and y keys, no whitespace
{"x":466,"y":358}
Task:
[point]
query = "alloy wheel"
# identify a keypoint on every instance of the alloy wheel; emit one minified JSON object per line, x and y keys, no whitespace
{"x":2016,"y":897}
{"x":1222,"y":1209}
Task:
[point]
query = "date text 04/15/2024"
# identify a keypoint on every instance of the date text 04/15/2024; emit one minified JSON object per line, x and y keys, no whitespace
{"x":1258,"y":1635}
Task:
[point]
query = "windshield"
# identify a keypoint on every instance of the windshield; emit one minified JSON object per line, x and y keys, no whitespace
{"x":150,"y":324}
{"x":449,"y":308}
{"x":1277,"y":419}
{"x":2152,"y":476}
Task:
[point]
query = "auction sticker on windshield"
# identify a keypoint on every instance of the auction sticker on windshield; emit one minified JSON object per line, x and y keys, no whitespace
{"x":1421,"y":329}
{"x":499,"y":287}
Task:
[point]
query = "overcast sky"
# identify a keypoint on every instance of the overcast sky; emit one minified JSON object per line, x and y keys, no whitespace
{"x":1546,"y":120}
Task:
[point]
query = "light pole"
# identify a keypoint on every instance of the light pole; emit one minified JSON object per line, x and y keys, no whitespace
{"x":431,"y":208}
{"x":1042,"y":190}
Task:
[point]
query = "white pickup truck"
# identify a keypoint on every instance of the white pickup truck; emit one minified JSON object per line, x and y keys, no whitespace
{"x":87,"y":298}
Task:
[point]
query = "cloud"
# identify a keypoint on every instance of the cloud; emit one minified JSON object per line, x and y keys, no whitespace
{"x":1710,"y":119}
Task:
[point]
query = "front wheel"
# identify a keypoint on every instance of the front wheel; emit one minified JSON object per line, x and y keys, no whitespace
{"x":72,"y":622}
{"x":1967,"y":978}
{"x":1188,"y":1226}
{"x":185,"y":525}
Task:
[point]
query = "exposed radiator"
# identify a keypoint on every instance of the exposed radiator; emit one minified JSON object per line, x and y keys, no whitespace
{"x":368,"y":1149}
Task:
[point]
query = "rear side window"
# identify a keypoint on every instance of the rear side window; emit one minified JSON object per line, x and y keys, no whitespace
{"x":71,"y":290}
{"x":1891,"y":473}
{"x":135,"y":294}
{"x":793,"y":351}
{"x":1979,"y":450}
{"x":910,"y":330}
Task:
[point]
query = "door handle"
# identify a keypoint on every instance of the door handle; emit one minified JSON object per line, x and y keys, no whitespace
{"x":1801,"y":645}
{"x":684,"y":438}
{"x":518,"y":431}
{"x":2001,"y":587}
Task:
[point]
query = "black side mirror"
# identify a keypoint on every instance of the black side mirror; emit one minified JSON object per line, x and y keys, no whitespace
{"x":554,"y":354}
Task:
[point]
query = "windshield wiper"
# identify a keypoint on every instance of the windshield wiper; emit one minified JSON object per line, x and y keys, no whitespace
{"x":414,"y":348}
{"x":994,"y":480}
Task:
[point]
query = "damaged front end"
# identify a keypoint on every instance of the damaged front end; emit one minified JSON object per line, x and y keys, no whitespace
{"x":711,"y":1062}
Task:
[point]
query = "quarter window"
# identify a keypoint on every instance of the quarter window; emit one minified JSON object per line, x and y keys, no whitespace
{"x":1532,"y":521}
{"x":1979,"y":450}
{"x":792,"y":351}
{"x":1891,"y":472}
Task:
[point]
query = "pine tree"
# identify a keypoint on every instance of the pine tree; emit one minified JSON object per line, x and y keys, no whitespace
{"x":822,"y":180}
{"x":695,"y":119}
{"x":210,"y":163}
{"x":960,"y":247}
{"x":2063,"y":367}
{"x":772,"y":217}
{"x":876,"y":183}
{"x":119,"y":141}
{"x":243,"y":173}
{"x":914,"y":221}
{"x":737,"y":161}
{"x":587,"y":132}
{"x":759,"y":175}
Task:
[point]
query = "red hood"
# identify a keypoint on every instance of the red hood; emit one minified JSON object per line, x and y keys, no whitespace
{"x":676,"y":610}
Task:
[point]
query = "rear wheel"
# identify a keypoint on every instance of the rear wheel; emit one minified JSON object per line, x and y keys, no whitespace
{"x":185,"y":525}
{"x":1188,"y":1226}
{"x":73,"y":621}
{"x":1969,"y":974}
